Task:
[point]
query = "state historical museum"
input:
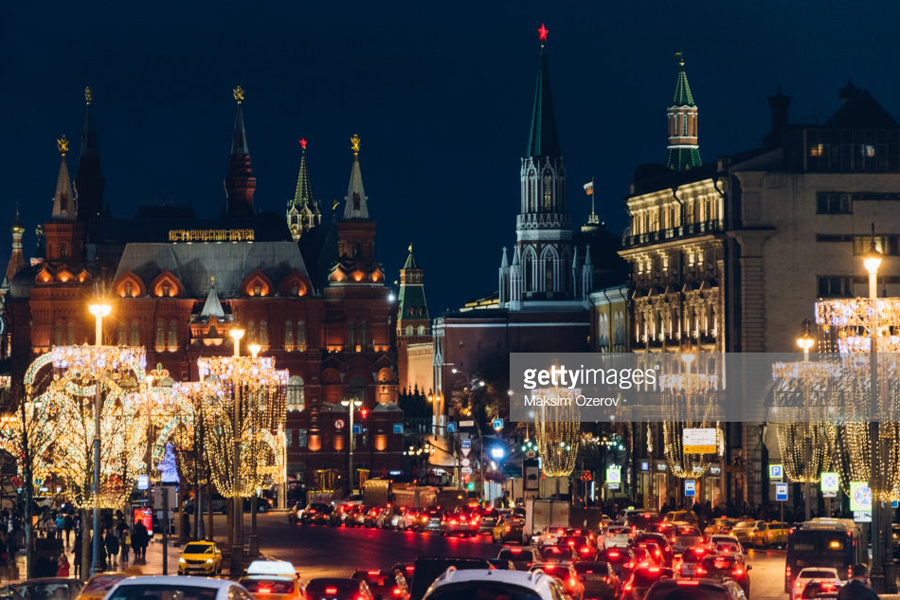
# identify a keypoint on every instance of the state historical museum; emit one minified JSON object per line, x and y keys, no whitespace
{"x":311,"y":294}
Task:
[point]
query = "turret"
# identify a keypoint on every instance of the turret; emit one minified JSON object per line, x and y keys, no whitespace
{"x":89,"y":180}
{"x":302,"y":211}
{"x":684,"y":150}
{"x":240,"y":183}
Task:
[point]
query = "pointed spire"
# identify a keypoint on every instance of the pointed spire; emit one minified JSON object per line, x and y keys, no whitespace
{"x":504,"y":262}
{"x":410,"y":260}
{"x":356,"y":206}
{"x":239,"y":182}
{"x":89,"y":180}
{"x":683,"y":95}
{"x":543,"y":138}
{"x":212,"y":307}
{"x":17,"y":257}
{"x":683,"y":149}
{"x":303,"y":212}
{"x":64,"y":199}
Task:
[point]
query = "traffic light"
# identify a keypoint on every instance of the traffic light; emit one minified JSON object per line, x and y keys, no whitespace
{"x":470,"y":486}
{"x":363,"y":413}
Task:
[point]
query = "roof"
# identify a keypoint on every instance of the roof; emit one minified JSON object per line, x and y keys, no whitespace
{"x":271,"y":567}
{"x":229,"y":262}
{"x":536,"y":580}
{"x":861,"y":111}
{"x":177,"y":580}
{"x":239,"y":145}
{"x":410,"y":260}
{"x":682,"y":95}
{"x":543,"y":137}
{"x":356,"y":206}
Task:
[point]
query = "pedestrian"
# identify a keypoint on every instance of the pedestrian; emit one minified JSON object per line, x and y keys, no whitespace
{"x":139,"y":540}
{"x":77,"y":551}
{"x":60,"y":525}
{"x":4,"y":557}
{"x":49,"y":527}
{"x":69,"y":525}
{"x":111,"y":541}
{"x":858,"y":587}
{"x":125,"y":545}
{"x":63,"y":565}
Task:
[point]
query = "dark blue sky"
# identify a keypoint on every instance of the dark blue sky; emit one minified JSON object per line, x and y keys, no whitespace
{"x":440,"y":94}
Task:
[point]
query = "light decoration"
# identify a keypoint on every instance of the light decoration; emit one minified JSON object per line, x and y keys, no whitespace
{"x":688,"y":399}
{"x":557,"y":430}
{"x":260,"y":391}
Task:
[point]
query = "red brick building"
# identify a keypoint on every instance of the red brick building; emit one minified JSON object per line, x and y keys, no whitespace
{"x":178,"y":284}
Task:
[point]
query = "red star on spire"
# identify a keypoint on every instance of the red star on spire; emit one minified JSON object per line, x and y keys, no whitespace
{"x":303,"y":143}
{"x":543,"y":31}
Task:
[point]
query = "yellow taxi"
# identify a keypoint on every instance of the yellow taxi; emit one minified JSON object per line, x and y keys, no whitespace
{"x":200,"y":557}
{"x":273,"y":580}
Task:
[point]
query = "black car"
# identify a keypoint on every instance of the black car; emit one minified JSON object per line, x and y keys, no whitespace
{"x":721,"y":567}
{"x":316,"y":512}
{"x":599,"y":579}
{"x":642,"y":579}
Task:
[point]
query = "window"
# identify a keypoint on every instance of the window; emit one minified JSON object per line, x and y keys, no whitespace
{"x":58,"y":334}
{"x":122,"y":339}
{"x":301,"y":438}
{"x":548,"y":192}
{"x":351,"y":335}
{"x":160,"y":334}
{"x":70,"y":333}
{"x":862,"y":244}
{"x":264,"y":334}
{"x":166,"y":290}
{"x":251,"y":332}
{"x":129,"y":289}
{"x":135,"y":333}
{"x":835,"y":287}
{"x":288,"y":335}
{"x":257,"y":290}
{"x":288,"y":438}
{"x":817,"y":150}
{"x":295,"y":393}
{"x":173,"y":336}
{"x":833,"y":203}
{"x":684,"y":124}
{"x":64,"y":250}
{"x":409,"y":330}
{"x":548,"y":276}
{"x":421,"y":330}
{"x":301,"y":336}
{"x":362,"y":334}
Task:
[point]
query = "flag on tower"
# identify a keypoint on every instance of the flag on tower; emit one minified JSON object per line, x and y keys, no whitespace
{"x":589,"y":187}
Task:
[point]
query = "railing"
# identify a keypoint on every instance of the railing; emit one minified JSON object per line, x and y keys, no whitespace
{"x":673,"y":233}
{"x":542,"y":221}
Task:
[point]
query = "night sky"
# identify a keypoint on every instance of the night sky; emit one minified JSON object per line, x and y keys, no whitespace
{"x":440,"y":94}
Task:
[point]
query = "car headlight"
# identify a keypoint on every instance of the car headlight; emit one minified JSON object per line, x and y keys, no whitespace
{"x":209,"y":560}
{"x":181,"y":561}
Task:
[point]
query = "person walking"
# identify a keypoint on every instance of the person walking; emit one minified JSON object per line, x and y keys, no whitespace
{"x":77,"y":552}
{"x":124,"y":544}
{"x":858,"y":587}
{"x":63,"y":565}
{"x":111,"y":541}
{"x":60,"y":522}
{"x":68,"y":525}
{"x":139,"y":540}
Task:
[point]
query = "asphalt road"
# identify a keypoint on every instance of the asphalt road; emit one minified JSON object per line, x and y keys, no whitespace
{"x":322,"y":551}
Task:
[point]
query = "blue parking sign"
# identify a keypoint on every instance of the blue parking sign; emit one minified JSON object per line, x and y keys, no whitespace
{"x":451,"y":427}
{"x":398,"y":427}
{"x":357,"y":428}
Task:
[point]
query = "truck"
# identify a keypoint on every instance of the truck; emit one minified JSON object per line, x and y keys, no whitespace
{"x":545,"y":513}
{"x":415,"y":497}
{"x":376,"y":492}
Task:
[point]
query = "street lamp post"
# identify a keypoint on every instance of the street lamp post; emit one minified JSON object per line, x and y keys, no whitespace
{"x":805,"y":342}
{"x":237,"y":548}
{"x":253,"y":549}
{"x":351,"y":405}
{"x":99,"y":311}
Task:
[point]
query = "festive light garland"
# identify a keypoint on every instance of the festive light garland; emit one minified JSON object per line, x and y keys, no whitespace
{"x":688,"y":399}
{"x":557,"y":431}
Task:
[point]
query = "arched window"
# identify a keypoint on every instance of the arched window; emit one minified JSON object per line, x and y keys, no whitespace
{"x":264,"y":334}
{"x":528,"y":267}
{"x":421,"y":330}
{"x":548,"y":192}
{"x":684,"y":124}
{"x":63,"y":250}
{"x":251,"y":332}
{"x":288,"y":335}
{"x":363,"y":334}
{"x":173,"y":336}
{"x":295,"y":393}
{"x":123,"y":335}
{"x":409,"y":330}
{"x":160,"y":335}
{"x":301,"y":336}
{"x":70,"y":333}
{"x":548,"y":275}
{"x":135,"y":333}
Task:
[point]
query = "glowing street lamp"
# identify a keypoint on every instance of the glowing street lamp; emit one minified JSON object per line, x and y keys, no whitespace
{"x":805,"y":341}
{"x":99,"y":311}
{"x":351,"y":406}
{"x":237,"y":335}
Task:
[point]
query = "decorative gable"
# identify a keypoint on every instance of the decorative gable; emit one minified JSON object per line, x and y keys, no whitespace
{"x":256,"y":284}
{"x":166,"y":285}
{"x":294,"y":284}
{"x":129,"y":285}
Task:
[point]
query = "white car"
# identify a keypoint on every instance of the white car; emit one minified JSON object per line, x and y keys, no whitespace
{"x":617,"y":536}
{"x":165,"y":587}
{"x":494,"y":583}
{"x":820,"y":574}
{"x":549,"y":536}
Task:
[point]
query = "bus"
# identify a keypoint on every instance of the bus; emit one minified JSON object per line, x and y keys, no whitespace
{"x":822,"y":542}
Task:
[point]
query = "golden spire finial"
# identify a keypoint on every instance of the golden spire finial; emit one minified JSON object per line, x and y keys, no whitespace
{"x":354,"y":144}
{"x":680,"y":58}
{"x":62,"y":144}
{"x":88,"y":96}
{"x":410,"y":247}
{"x":212,"y":281}
{"x":238,"y":94}
{"x":334,"y":205}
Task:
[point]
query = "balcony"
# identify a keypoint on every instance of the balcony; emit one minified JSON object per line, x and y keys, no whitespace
{"x":675,"y":233}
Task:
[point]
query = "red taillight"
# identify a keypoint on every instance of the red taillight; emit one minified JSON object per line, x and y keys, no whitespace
{"x":516,"y":550}
{"x":453,"y":521}
{"x":737,"y":572}
{"x":787,"y":571}
{"x":700,"y":571}
{"x":331,"y":591}
{"x":374,"y":572}
{"x":555,"y":550}
{"x":572,"y":582}
{"x":424,"y":519}
{"x":828,"y":587}
{"x":585,"y":550}
{"x":653,"y":569}
{"x":629,"y":586}
{"x":507,"y":528}
{"x":264,"y":590}
{"x":687,"y":582}
{"x":849,"y":572}
{"x":312,"y":511}
{"x":614,"y":554}
{"x":396,"y":592}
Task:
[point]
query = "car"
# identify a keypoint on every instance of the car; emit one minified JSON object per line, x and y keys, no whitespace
{"x":694,"y":589}
{"x":385,"y":584}
{"x":599,"y":580}
{"x":48,"y":588}
{"x":371,"y":517}
{"x":810,"y":574}
{"x":294,"y":513}
{"x":720,"y":525}
{"x":644,"y":521}
{"x":662,"y":545}
{"x":357,"y":516}
{"x":681,"y":516}
{"x":504,"y":565}
{"x":685,"y":537}
{"x":766,"y":535}
{"x":550,"y":535}
{"x":99,"y":585}
{"x":627,"y":513}
{"x":580,"y":545}
{"x":508,"y":528}
{"x":617,"y":536}
{"x":687,"y":564}
{"x":428,"y":568}
{"x":567,"y":575}
{"x":316,"y":512}
{"x":429,"y":520}
{"x":522,"y":557}
{"x":488,"y":517}
{"x":642,"y":579}
{"x":340,"y":514}
{"x":200,"y":556}
{"x":557,"y":554}
{"x":619,"y":558}
{"x":719,"y":567}
{"x":495,"y":584}
{"x":821,"y":589}
{"x":459,"y":522}
{"x":337,"y":588}
{"x":273,"y":580}
{"x":167,"y":587}
{"x":744,"y":531}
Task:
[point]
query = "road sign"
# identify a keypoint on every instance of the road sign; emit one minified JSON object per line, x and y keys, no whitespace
{"x":465,"y":451}
{"x":776,"y":472}
{"x":863,"y":516}
{"x":895,"y":504}
{"x":613,"y":475}
{"x":465,"y":462}
{"x":357,"y":428}
{"x":469,"y":423}
{"x":398,"y":428}
{"x":339,"y":424}
{"x":465,"y":443}
{"x":781,"y":492}
{"x":143,"y":482}
{"x":451,"y":427}
{"x":498,"y":424}
{"x":699,"y":440}
{"x":613,"y":487}
{"x":645,"y":465}
{"x":466,"y":470}
{"x":860,"y":496}
{"x":830,"y":483}
{"x":690,"y":487}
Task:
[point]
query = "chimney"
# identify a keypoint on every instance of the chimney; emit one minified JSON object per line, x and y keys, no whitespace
{"x":778,"y":104}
